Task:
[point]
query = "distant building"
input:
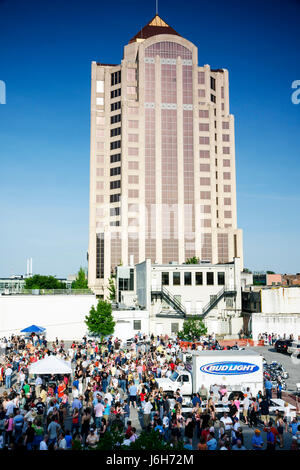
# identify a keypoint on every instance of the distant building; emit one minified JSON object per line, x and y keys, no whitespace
{"x":162,"y":158}
{"x":267,"y":279}
{"x":291,"y":279}
{"x":272,"y":310}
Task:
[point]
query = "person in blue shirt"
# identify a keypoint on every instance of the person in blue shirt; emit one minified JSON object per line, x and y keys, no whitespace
{"x":76,"y":404}
{"x":188,"y":446}
{"x":212,"y":442}
{"x":270,"y":439}
{"x":132,"y":394}
{"x":268,"y":387}
{"x":159,"y":427}
{"x":279,"y":390}
{"x":196,"y":400}
{"x":293,"y":426}
{"x":18,"y":425}
{"x":68,"y":439}
{"x":76,"y":383}
{"x":257,"y":441}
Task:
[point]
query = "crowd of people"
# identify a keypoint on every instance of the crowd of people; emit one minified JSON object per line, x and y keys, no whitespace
{"x":271,"y":338}
{"x":113,"y":386}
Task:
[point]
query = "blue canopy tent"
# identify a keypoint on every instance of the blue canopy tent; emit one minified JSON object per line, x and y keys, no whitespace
{"x":33,"y":329}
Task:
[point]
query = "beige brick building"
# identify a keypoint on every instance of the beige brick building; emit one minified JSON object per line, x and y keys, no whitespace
{"x":162,"y":167}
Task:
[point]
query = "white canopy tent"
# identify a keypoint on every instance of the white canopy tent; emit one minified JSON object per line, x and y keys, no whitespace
{"x":50,"y":365}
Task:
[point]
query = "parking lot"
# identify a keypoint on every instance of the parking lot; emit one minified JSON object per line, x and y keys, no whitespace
{"x":290,"y":364}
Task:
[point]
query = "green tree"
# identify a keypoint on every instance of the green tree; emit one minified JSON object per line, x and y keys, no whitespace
{"x":270,"y":272}
{"x":192,"y":330}
{"x":81,"y":280}
{"x":153,"y":441}
{"x":43,"y":282}
{"x":112,"y":288}
{"x":100,"y":320}
{"x":193,"y":260}
{"x":114,"y":438}
{"x":246,"y":270}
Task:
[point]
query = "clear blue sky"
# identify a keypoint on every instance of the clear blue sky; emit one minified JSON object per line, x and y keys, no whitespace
{"x":45,"y":59}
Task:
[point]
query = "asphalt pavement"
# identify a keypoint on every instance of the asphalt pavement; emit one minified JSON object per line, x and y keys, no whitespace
{"x":292,"y":365}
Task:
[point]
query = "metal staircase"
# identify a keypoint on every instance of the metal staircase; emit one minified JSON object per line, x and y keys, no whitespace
{"x":214,"y":301}
{"x":166,"y":295}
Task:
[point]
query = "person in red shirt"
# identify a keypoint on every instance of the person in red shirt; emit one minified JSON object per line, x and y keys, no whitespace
{"x":273,"y":430}
{"x":60,"y":390}
{"x":205,"y":433}
{"x":142,"y":396}
{"x":128,"y":432}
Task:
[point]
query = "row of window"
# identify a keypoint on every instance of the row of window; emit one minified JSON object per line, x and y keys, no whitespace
{"x":116,"y":78}
{"x":115,"y":158}
{"x":115,"y":211}
{"x":115,"y":145}
{"x":115,"y":93}
{"x":100,"y":256}
{"x":127,"y":284}
{"x":115,"y":106}
{"x":115,"y":171}
{"x":116,"y":118}
{"x":115,"y":184}
{"x":116,"y":131}
{"x":187,"y":278}
{"x":115,"y":197}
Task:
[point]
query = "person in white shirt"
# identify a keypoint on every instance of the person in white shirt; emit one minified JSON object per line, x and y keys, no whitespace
{"x":147,"y":412}
{"x":222,"y":446}
{"x":43,"y":444}
{"x":62,"y":442}
{"x":9,"y":409}
{"x":8,"y":374}
{"x":227,"y":422}
{"x":22,"y":378}
{"x":246,"y":404}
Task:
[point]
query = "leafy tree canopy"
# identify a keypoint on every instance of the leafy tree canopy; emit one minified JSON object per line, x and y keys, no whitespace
{"x":193,"y":260}
{"x":112,"y":288}
{"x":43,"y":282}
{"x":113,"y":440}
{"x":100,"y":320}
{"x":246,"y":270}
{"x":81,"y":280}
{"x":192,"y":330}
{"x":270,"y":272}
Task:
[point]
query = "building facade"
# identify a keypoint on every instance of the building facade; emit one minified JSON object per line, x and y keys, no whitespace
{"x":272,"y":310}
{"x":162,"y":164}
{"x":172,"y":293}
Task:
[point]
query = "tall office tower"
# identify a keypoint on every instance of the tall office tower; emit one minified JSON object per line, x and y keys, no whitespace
{"x":162,"y":169}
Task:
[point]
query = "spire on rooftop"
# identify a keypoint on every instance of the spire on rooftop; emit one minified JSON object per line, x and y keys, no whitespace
{"x":156,"y":26}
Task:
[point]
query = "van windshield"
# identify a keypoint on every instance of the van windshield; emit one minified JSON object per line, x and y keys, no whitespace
{"x":174,"y":376}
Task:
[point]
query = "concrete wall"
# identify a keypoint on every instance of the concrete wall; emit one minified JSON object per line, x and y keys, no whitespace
{"x":276,"y":323}
{"x":280,"y":300}
{"x":62,"y":315}
{"x":246,"y":279}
